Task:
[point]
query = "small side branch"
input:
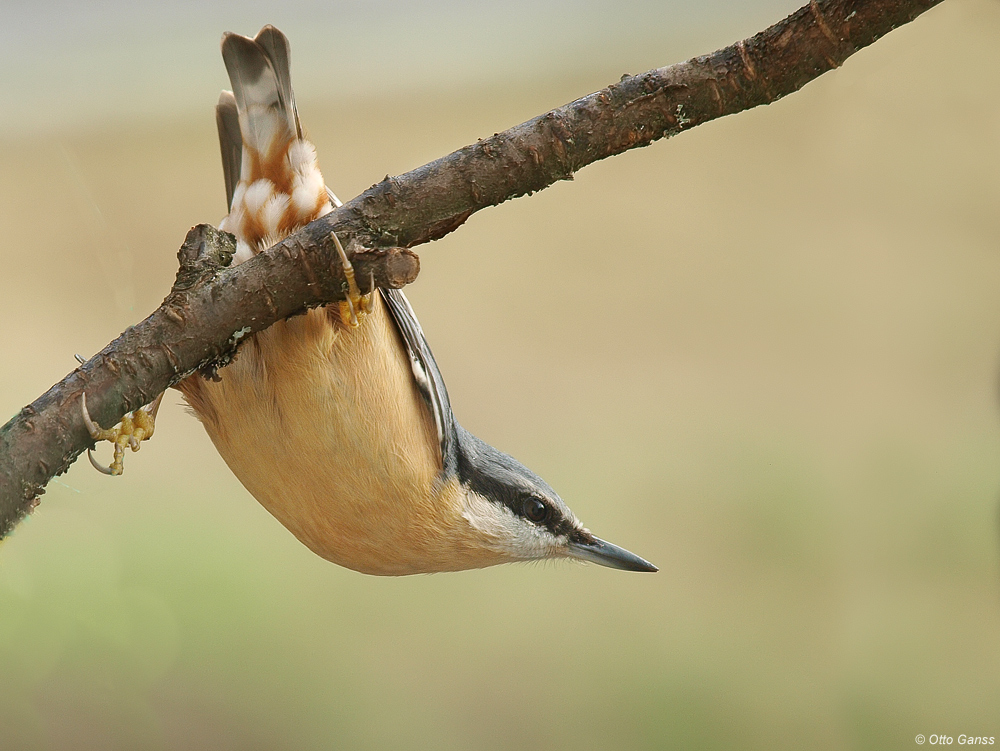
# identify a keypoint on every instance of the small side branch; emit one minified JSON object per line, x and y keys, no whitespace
{"x":212,"y":307}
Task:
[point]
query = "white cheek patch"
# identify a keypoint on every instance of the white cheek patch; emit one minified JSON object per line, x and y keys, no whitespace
{"x":509,"y":533}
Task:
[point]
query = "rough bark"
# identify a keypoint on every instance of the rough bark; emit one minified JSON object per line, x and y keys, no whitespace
{"x":212,"y":307}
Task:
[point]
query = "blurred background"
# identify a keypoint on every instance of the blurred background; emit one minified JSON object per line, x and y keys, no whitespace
{"x":787,"y":398}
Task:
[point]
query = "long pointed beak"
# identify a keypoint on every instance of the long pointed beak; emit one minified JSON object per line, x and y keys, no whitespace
{"x":596,"y":550}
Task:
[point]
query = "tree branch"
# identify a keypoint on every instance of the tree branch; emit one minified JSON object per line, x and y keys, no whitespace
{"x":211,"y":307}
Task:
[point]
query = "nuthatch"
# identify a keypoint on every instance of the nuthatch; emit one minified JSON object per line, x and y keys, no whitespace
{"x":338,"y":420}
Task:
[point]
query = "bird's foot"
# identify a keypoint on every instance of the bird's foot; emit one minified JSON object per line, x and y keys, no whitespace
{"x":356,"y":306}
{"x":134,"y":428}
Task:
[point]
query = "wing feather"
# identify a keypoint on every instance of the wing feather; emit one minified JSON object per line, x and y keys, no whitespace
{"x":427,"y":376}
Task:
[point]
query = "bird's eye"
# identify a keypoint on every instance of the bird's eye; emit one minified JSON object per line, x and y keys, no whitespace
{"x":535,"y":510}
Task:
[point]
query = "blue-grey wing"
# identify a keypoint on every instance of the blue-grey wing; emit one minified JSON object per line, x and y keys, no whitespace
{"x":426,"y":375}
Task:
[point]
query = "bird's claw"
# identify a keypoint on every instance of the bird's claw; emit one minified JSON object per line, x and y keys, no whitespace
{"x":134,"y":428}
{"x":356,"y":306}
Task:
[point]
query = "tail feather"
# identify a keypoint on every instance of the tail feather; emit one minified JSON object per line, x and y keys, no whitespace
{"x":273,"y":183}
{"x":278,"y":51}
{"x":266,"y":116}
{"x":230,"y":141}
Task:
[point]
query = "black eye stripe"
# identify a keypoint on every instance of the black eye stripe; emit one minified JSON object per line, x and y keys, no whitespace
{"x":502,"y":480}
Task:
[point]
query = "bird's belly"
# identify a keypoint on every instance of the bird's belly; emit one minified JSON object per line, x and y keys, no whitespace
{"x":322,"y":425}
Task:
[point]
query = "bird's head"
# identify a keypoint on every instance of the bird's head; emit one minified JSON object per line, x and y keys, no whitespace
{"x":522,"y":517}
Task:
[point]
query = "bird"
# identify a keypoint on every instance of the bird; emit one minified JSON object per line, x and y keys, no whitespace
{"x":338,"y":420}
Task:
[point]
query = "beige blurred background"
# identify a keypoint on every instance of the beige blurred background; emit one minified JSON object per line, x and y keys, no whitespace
{"x":787,"y":397}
